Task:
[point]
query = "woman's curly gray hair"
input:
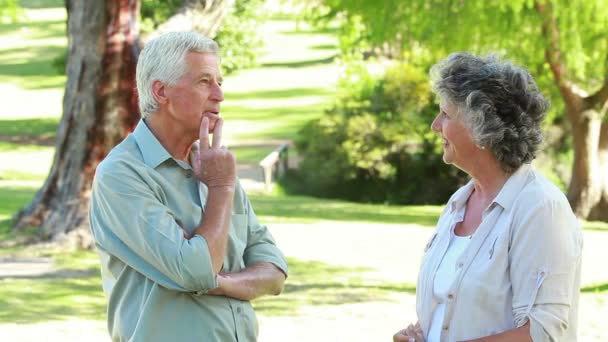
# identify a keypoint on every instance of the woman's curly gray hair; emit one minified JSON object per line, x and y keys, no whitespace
{"x":500,"y":101}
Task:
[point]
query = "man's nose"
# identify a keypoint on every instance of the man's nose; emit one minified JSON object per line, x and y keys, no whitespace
{"x":217,"y":94}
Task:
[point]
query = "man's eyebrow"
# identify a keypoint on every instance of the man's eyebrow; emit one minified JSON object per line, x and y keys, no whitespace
{"x":208,"y":75}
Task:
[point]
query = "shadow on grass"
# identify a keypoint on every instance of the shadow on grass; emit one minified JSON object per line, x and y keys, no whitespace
{"x":45,"y":299}
{"x":304,"y":208}
{"x":324,"y":47}
{"x":38,"y":131}
{"x":321,"y":30}
{"x":278,"y":94}
{"x":315,"y":283}
{"x":300,"y":64}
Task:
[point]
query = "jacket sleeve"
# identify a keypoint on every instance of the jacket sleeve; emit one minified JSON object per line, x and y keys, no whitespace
{"x":545,"y":259}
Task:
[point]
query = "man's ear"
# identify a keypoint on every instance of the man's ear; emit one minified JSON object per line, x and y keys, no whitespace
{"x":159,"y":92}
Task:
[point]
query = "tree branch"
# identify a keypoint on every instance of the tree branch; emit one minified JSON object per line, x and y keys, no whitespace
{"x":553,"y":56}
{"x":601,"y":96}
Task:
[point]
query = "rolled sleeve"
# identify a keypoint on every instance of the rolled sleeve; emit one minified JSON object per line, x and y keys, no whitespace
{"x":131,"y":223}
{"x":545,"y":269}
{"x":261,"y":246}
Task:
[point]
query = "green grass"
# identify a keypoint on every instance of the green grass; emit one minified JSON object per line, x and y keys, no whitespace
{"x":42,"y":3}
{"x":595,"y":225}
{"x":31,"y":44}
{"x":12,"y":198}
{"x":251,"y":154}
{"x":310,"y":209}
{"x":276,"y":94}
{"x":314,"y":283}
{"x":33,"y":128}
{"x":275,"y":123}
{"x":73,"y":289}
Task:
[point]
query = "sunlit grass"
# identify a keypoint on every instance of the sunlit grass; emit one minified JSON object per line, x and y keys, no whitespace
{"x":311,"y":209}
{"x":251,"y":154}
{"x":315,"y":283}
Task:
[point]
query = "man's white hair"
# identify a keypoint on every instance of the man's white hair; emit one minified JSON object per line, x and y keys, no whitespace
{"x":164,"y":59}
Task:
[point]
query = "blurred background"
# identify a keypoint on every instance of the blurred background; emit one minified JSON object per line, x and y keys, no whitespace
{"x":328,"y":109}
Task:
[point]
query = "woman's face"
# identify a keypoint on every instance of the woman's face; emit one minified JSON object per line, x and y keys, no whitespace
{"x":458,"y":145}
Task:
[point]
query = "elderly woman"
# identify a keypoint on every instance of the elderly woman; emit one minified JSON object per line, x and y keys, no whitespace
{"x":504,"y":262}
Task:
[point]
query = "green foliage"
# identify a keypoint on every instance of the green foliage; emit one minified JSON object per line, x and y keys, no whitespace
{"x":9,"y":10}
{"x":239,"y":36}
{"x":375,"y":144}
{"x":155,"y":12}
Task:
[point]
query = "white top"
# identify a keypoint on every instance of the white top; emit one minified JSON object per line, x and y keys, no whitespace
{"x":522,"y":264}
{"x":445,"y":276}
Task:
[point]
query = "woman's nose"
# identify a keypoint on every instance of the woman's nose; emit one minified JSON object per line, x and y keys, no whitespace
{"x":436,"y":124}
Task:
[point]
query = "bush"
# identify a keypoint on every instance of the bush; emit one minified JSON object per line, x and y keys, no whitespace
{"x":375,"y":144}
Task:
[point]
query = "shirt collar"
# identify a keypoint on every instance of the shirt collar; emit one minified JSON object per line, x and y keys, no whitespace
{"x":461,"y":196}
{"x":505,"y":197}
{"x":509,"y":192}
{"x":151,"y":149}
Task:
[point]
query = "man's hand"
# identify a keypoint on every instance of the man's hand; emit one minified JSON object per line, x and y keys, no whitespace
{"x":214,"y":165}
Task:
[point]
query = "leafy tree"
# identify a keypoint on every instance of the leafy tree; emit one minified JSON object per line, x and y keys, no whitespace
{"x":564,"y":41}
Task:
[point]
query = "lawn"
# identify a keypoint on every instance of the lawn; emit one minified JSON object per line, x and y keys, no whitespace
{"x":264,"y":107}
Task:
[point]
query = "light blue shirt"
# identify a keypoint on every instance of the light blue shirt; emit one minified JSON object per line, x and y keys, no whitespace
{"x":155,"y":279}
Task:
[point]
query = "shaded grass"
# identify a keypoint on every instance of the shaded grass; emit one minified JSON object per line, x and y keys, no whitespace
{"x":278,"y":93}
{"x":314,"y":283}
{"x":35,"y":128}
{"x":72,"y":290}
{"x":595,"y":288}
{"x":42,"y":3}
{"x":311,"y":209}
{"x":301,"y":63}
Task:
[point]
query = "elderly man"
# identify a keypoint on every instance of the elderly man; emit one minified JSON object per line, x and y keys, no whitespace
{"x":182,"y":252}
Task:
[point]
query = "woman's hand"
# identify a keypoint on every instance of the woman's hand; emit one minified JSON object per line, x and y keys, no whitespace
{"x":413,"y":333}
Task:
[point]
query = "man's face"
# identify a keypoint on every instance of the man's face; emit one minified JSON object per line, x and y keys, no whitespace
{"x":197,"y":93}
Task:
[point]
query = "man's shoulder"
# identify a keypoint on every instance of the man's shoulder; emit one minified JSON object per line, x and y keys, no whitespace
{"x":124,"y":156}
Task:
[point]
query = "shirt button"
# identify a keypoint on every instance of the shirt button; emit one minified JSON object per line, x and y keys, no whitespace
{"x":460,"y":265}
{"x":445,"y":328}
{"x":188,"y":173}
{"x":238,"y":310}
{"x":450,"y":296}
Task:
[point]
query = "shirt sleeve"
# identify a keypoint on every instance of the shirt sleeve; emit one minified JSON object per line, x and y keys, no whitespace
{"x":129,"y":221}
{"x":261,"y":246}
{"x":545,"y":255}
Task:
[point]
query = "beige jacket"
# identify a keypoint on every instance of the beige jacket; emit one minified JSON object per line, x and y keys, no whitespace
{"x":523,"y":264}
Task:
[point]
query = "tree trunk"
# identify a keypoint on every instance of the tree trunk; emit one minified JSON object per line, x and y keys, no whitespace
{"x":585,"y":188}
{"x":600,"y":211}
{"x":588,"y":190}
{"x":99,"y":110}
{"x":202,"y":16}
